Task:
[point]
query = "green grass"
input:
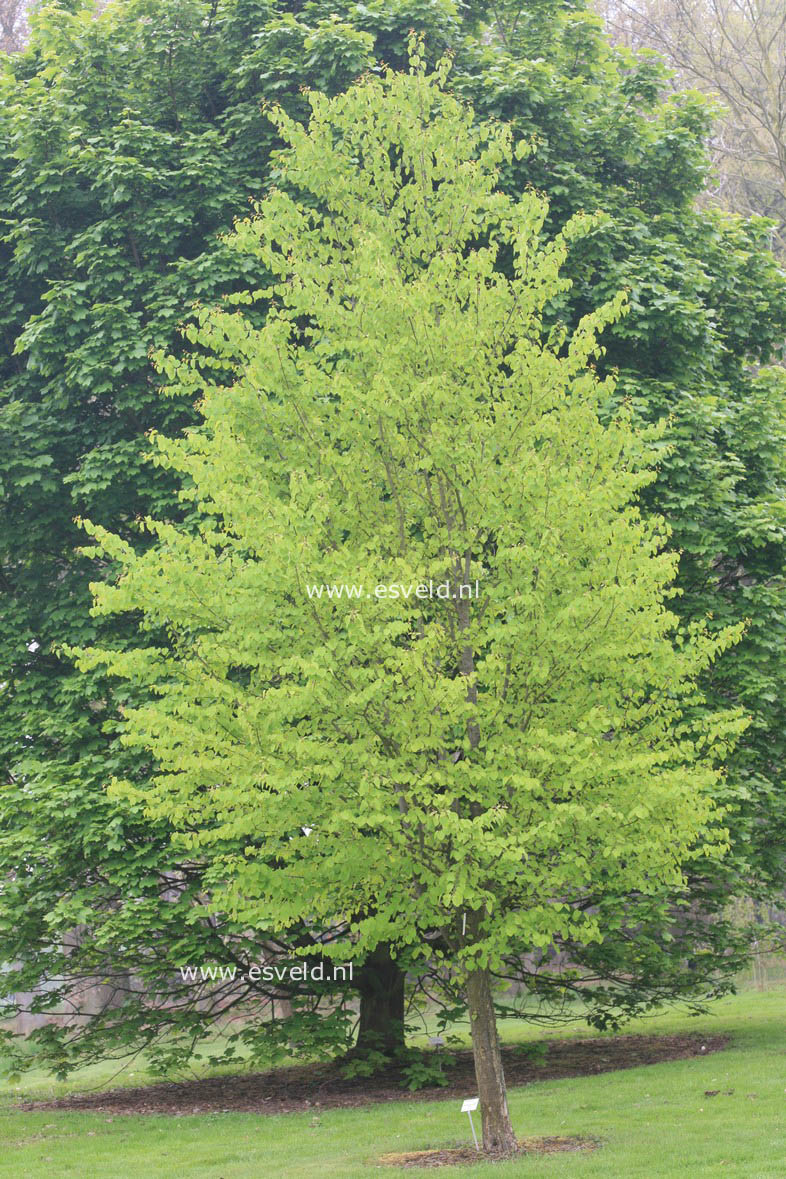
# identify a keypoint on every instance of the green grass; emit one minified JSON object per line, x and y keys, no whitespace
{"x":654,"y":1122}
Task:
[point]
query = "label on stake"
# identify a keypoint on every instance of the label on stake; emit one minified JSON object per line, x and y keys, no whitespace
{"x":467,"y":1108}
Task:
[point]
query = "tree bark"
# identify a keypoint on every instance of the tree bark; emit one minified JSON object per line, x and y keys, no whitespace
{"x":498,"y":1136}
{"x":380,"y":983}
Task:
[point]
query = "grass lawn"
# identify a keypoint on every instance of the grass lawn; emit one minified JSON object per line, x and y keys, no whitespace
{"x":654,"y":1122}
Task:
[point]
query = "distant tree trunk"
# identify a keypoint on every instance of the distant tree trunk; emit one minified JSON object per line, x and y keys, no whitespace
{"x":498,"y":1136}
{"x":282,"y":1008}
{"x":380,"y":982}
{"x":13,"y":25}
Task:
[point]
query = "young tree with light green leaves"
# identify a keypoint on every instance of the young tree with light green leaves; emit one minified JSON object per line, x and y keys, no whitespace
{"x":448,"y":772}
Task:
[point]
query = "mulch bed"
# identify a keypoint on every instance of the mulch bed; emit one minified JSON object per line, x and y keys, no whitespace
{"x":467,"y":1154}
{"x":321,"y":1086}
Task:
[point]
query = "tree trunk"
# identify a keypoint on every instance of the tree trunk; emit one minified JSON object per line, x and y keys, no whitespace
{"x":498,"y":1136}
{"x":380,"y":983}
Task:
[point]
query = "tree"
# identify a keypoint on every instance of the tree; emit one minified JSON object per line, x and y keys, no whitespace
{"x":13,"y":25}
{"x":423,"y":764}
{"x":735,"y":52}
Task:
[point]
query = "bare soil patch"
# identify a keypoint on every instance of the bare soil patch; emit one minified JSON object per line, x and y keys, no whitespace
{"x":323,"y":1086}
{"x":467,"y":1154}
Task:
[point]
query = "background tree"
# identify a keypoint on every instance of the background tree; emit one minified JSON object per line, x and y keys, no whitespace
{"x":13,"y":25}
{"x":406,"y":412}
{"x":734,"y":51}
